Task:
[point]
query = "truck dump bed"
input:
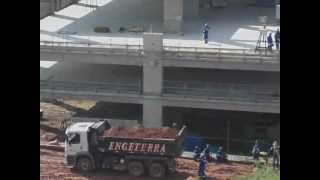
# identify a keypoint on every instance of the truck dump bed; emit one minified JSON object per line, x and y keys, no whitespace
{"x":162,"y":141}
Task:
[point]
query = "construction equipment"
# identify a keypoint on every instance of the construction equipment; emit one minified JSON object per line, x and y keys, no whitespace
{"x":262,"y":39}
{"x":88,"y":147}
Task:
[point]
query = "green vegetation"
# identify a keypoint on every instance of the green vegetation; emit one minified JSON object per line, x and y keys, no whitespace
{"x":262,"y":173}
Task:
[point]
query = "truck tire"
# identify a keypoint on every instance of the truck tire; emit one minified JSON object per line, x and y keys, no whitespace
{"x":157,"y":170}
{"x":84,"y":164}
{"x":172,"y":167}
{"x":136,"y":168}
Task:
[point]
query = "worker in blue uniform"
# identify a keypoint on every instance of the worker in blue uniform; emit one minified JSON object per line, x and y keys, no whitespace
{"x":197,"y":153}
{"x":221,"y":155}
{"x":202,"y":168}
{"x":207,"y":152}
{"x":270,"y":42}
{"x":205,"y":32}
{"x":256,"y":150}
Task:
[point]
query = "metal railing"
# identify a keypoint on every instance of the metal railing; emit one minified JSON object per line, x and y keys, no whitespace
{"x":179,"y":52}
{"x":201,"y":53}
{"x":97,"y":48}
{"x":217,"y":91}
{"x":111,"y":87}
{"x":222,"y":91}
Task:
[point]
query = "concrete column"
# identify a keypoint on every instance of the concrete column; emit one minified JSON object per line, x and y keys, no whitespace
{"x":172,"y":15}
{"x":152,"y":112}
{"x":152,"y":79}
{"x":195,"y":8}
{"x":58,"y":5}
{"x":152,"y":66}
{"x":53,"y":6}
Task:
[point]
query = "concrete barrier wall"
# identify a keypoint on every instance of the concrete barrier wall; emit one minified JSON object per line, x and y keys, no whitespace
{"x":45,"y":9}
{"x":46,"y":6}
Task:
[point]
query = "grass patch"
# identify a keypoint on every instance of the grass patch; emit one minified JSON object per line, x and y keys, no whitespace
{"x":262,"y":173}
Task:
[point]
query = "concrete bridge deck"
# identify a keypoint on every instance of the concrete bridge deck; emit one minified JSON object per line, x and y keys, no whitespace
{"x":225,"y":98}
{"x":171,"y":56}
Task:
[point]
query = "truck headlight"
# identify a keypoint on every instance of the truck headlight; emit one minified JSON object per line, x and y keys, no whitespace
{"x":121,"y":161}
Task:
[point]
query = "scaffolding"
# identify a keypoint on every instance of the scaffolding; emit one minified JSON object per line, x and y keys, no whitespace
{"x":262,"y":39}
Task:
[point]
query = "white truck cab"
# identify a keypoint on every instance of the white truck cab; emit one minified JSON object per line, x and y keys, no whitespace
{"x":77,"y":141}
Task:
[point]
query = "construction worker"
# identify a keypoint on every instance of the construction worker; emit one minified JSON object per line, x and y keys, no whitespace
{"x":202,"y":168}
{"x":174,"y":126}
{"x":256,"y":150}
{"x":277,"y":38}
{"x":207,"y":152}
{"x":275,"y":150}
{"x":197,"y":153}
{"x":205,"y":32}
{"x":270,"y":42}
{"x":221,"y":155}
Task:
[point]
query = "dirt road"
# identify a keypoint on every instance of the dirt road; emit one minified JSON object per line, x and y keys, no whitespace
{"x":52,"y":167}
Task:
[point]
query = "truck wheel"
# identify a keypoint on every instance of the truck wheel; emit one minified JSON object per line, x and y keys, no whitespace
{"x":84,"y":164}
{"x":136,"y":168}
{"x":172,"y":167}
{"x":157,"y":170}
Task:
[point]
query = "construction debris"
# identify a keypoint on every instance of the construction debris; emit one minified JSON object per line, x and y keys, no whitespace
{"x":102,"y":29}
{"x":122,"y":29}
{"x":136,"y":29}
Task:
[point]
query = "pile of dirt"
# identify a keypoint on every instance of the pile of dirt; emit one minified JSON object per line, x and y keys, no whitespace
{"x":141,"y":132}
{"x":221,"y":171}
{"x":53,"y":113}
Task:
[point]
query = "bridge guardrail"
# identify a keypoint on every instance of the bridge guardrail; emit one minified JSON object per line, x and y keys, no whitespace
{"x":211,"y":53}
{"x":130,"y":88}
{"x":230,"y":93}
{"x":185,"y":53}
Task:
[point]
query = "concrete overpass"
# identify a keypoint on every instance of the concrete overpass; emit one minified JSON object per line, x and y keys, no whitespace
{"x":153,"y":92}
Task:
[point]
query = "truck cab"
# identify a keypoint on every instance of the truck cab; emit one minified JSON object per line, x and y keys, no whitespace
{"x":80,"y":143}
{"x":76,"y":143}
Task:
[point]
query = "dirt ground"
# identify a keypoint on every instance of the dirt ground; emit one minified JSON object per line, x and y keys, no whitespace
{"x":52,"y":167}
{"x":52,"y":164}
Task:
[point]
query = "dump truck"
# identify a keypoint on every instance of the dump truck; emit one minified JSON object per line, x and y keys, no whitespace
{"x":97,"y":145}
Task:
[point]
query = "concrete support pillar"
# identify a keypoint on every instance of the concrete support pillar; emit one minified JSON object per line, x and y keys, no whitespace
{"x":58,"y":5}
{"x":52,"y":6}
{"x":152,"y":79}
{"x":195,"y":8}
{"x":152,"y":112}
{"x":172,"y":15}
{"x":152,"y":66}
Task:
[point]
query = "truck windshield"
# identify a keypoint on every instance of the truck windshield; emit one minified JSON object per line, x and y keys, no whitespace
{"x":74,"y":138}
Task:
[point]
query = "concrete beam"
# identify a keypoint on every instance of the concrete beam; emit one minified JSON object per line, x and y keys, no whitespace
{"x":84,"y":95}
{"x":153,"y":57}
{"x":190,"y":102}
{"x":92,"y":58}
{"x":172,"y":16}
{"x":220,"y":64}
